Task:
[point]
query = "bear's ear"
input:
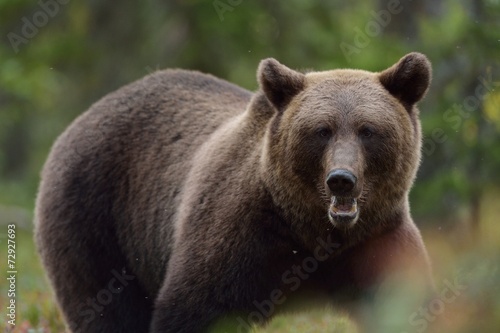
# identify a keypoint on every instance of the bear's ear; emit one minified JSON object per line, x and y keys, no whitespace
{"x":409,"y":79}
{"x":279,"y":83}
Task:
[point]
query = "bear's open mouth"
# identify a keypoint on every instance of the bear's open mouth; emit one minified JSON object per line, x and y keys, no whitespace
{"x":343,"y":209}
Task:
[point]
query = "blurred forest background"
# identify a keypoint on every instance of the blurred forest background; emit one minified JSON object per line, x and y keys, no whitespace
{"x":57,"y":57}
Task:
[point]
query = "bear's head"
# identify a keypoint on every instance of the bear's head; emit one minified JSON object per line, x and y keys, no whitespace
{"x":343,"y":144}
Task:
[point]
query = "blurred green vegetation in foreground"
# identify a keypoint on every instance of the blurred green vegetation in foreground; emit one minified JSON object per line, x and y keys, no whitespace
{"x":57,"y":60}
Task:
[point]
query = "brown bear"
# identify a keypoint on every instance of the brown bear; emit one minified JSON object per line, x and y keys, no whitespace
{"x":182,"y":198}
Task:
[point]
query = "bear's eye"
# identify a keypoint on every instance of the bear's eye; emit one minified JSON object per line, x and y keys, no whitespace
{"x":366,"y":132}
{"x":324,"y":132}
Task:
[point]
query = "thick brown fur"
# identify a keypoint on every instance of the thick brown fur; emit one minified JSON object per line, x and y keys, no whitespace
{"x":200,"y":195}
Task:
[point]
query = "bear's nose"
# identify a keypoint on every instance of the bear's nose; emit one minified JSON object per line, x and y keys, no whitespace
{"x":340,"y":182}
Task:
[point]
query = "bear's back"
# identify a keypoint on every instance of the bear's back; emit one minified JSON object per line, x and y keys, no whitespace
{"x":116,"y":174}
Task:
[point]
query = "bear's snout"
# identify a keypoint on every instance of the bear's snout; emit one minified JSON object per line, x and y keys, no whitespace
{"x":341,"y":182}
{"x":343,"y":209}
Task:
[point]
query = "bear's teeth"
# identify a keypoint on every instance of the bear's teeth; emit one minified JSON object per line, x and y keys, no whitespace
{"x":344,"y":205}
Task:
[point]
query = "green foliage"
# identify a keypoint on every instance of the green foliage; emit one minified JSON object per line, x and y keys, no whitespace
{"x":312,"y":322}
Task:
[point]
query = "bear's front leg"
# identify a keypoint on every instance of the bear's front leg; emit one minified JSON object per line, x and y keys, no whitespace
{"x":396,"y":253}
{"x":202,"y":286}
{"x":185,"y":307}
{"x":394,"y":264}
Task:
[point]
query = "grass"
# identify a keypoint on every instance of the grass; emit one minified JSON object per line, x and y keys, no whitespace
{"x":35,"y":307}
{"x":319,"y":321}
{"x":472,"y":261}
